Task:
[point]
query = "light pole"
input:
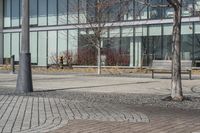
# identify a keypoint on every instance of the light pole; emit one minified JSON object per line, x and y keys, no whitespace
{"x":24,"y":79}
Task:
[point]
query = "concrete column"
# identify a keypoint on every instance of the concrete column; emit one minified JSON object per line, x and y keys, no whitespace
{"x":1,"y":31}
{"x":138,"y":51}
{"x":24,"y":79}
{"x":132,"y":53}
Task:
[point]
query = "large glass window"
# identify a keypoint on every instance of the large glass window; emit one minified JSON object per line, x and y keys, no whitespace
{"x":140,"y":10}
{"x":104,"y":38}
{"x":87,"y":52}
{"x":82,"y":11}
{"x":62,"y":12}
{"x":155,"y":12}
{"x":7,"y":14}
{"x":62,"y":42}
{"x":168,"y":11}
{"x":33,"y":12}
{"x":42,"y":12}
{"x":114,"y":11}
{"x":6,"y":45}
{"x":33,"y":47}
{"x":127,"y":8}
{"x":197,"y":7}
{"x":52,"y":47}
{"x":187,"y":41}
{"x":91,"y":11}
{"x":15,"y":45}
{"x":73,"y":44}
{"x":73,"y":11}
{"x":187,"y":8}
{"x":140,"y":46}
{"x":114,"y":39}
{"x":155,"y":42}
{"x":15,"y":13}
{"x":126,"y":40}
{"x":42,"y":48}
{"x":197,"y":41}
{"x":113,"y":47}
{"x":20,"y":12}
{"x":52,"y":12}
{"x":126,"y":43}
{"x":167,"y":41}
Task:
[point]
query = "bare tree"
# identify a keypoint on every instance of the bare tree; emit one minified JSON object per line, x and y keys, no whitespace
{"x":97,"y":21}
{"x":98,"y":15}
{"x":106,"y":11}
{"x":176,"y":84}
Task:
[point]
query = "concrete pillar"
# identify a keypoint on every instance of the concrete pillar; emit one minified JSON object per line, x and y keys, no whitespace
{"x":1,"y":31}
{"x":24,"y":79}
{"x":132,"y":53}
{"x":138,"y":51}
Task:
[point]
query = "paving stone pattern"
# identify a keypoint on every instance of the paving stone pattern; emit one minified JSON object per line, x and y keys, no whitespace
{"x":161,"y":121}
{"x":42,"y":114}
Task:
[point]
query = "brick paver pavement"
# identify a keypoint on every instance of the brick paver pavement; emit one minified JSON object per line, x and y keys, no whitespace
{"x":22,"y":114}
{"x":43,"y":114}
{"x":160,"y":121}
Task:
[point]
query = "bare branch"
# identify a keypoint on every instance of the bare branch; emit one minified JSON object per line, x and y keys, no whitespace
{"x":145,"y":2}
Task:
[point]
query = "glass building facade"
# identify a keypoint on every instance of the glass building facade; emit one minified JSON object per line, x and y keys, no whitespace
{"x":133,"y":35}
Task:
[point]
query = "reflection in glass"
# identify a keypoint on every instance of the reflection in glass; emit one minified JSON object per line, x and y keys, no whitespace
{"x":6,"y":45}
{"x":33,"y":47}
{"x":155,"y":42}
{"x":126,"y":43}
{"x":15,"y":45}
{"x":114,"y":11}
{"x":62,"y":42}
{"x":186,"y":41}
{"x":197,"y":43}
{"x":140,"y":11}
{"x":62,"y":12}
{"x":155,"y":12}
{"x":73,"y":11}
{"x":52,"y":47}
{"x":42,"y":48}
{"x":167,"y":41}
{"x":52,"y":12}
{"x":187,"y":8}
{"x":82,"y":11}
{"x":42,"y":12}
{"x":141,"y":46}
{"x":15,"y":13}
{"x":7,"y":14}
{"x":33,"y":12}
{"x":73,"y":44}
{"x":91,"y":11}
{"x":196,"y":7}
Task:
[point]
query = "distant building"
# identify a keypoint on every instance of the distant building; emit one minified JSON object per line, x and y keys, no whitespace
{"x":135,"y":38}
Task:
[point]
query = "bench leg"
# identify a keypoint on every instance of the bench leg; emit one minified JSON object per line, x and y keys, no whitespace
{"x":190,"y":75}
{"x":152,"y":74}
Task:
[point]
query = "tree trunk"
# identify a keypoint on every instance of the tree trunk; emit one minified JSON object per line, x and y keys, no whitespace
{"x":99,"y":60}
{"x":24,"y":79}
{"x":176,"y":85}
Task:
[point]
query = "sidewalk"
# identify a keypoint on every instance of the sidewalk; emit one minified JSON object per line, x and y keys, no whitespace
{"x":88,"y":103}
{"x":128,"y":89}
{"x":124,"y":84}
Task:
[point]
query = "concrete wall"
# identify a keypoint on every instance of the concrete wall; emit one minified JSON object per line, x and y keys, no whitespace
{"x":1,"y":31}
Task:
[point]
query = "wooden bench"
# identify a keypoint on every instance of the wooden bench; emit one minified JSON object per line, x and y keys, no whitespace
{"x":165,"y":66}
